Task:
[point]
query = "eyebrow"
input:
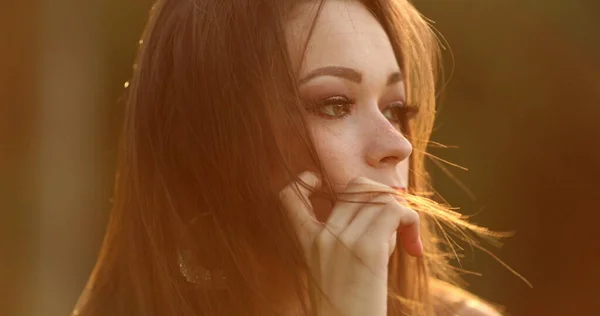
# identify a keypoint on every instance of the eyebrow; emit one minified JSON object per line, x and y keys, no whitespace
{"x":346,"y":73}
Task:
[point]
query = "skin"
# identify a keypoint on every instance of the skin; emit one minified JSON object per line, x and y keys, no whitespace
{"x":364,"y":151}
{"x":361,"y":138}
{"x":360,"y":143}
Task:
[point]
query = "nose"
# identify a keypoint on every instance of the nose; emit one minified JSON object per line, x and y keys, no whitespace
{"x":387,"y":147}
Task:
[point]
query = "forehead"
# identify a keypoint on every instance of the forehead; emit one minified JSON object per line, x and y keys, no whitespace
{"x":345,"y":34}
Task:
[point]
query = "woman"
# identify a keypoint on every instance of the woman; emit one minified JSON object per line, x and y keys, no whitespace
{"x":272,"y":155}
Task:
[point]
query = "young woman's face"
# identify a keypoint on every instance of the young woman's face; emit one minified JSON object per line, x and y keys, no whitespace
{"x":351,"y":80}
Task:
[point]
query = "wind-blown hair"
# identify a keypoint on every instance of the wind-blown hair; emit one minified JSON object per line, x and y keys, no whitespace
{"x":213,"y":112}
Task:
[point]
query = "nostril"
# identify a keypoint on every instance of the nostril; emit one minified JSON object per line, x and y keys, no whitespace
{"x":390,"y":160}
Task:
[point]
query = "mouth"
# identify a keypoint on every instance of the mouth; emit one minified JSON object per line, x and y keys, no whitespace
{"x":402,"y":189}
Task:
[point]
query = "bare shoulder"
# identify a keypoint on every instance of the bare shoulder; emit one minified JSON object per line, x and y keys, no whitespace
{"x":452,"y":300}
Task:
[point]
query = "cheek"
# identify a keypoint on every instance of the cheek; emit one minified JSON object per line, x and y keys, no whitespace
{"x":340,"y":155}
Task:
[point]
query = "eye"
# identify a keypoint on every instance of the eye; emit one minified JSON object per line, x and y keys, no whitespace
{"x":335,"y":107}
{"x":400,"y":113}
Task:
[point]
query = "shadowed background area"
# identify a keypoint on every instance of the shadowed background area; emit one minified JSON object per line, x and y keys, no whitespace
{"x":521,"y":105}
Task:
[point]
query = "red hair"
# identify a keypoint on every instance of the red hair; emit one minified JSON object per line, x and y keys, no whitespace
{"x":212,"y":95}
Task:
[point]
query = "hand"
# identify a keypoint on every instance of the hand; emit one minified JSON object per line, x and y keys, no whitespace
{"x":349,"y":255}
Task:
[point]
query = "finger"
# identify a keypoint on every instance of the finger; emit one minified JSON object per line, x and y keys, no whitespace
{"x":344,"y":212}
{"x":362,"y":184}
{"x":365,"y":218}
{"x":392,"y":243}
{"x":409,"y":231}
{"x":405,"y":221}
{"x":295,"y":199}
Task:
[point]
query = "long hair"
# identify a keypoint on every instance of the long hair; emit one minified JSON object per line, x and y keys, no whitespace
{"x":212,"y":109}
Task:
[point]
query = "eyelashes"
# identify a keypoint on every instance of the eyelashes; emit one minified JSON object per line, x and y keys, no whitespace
{"x":335,"y":107}
{"x":402,"y":114}
{"x":340,"y":106}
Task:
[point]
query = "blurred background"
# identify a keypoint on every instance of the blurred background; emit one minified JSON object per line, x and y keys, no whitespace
{"x":522,"y":105}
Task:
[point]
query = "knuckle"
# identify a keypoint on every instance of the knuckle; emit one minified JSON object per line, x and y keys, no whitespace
{"x":411,"y":216}
{"x":289,"y":191}
{"x":406,"y":215}
{"x":283,"y":193}
{"x":393,"y":208}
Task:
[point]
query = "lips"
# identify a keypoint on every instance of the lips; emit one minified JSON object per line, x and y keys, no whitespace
{"x":402,"y":193}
